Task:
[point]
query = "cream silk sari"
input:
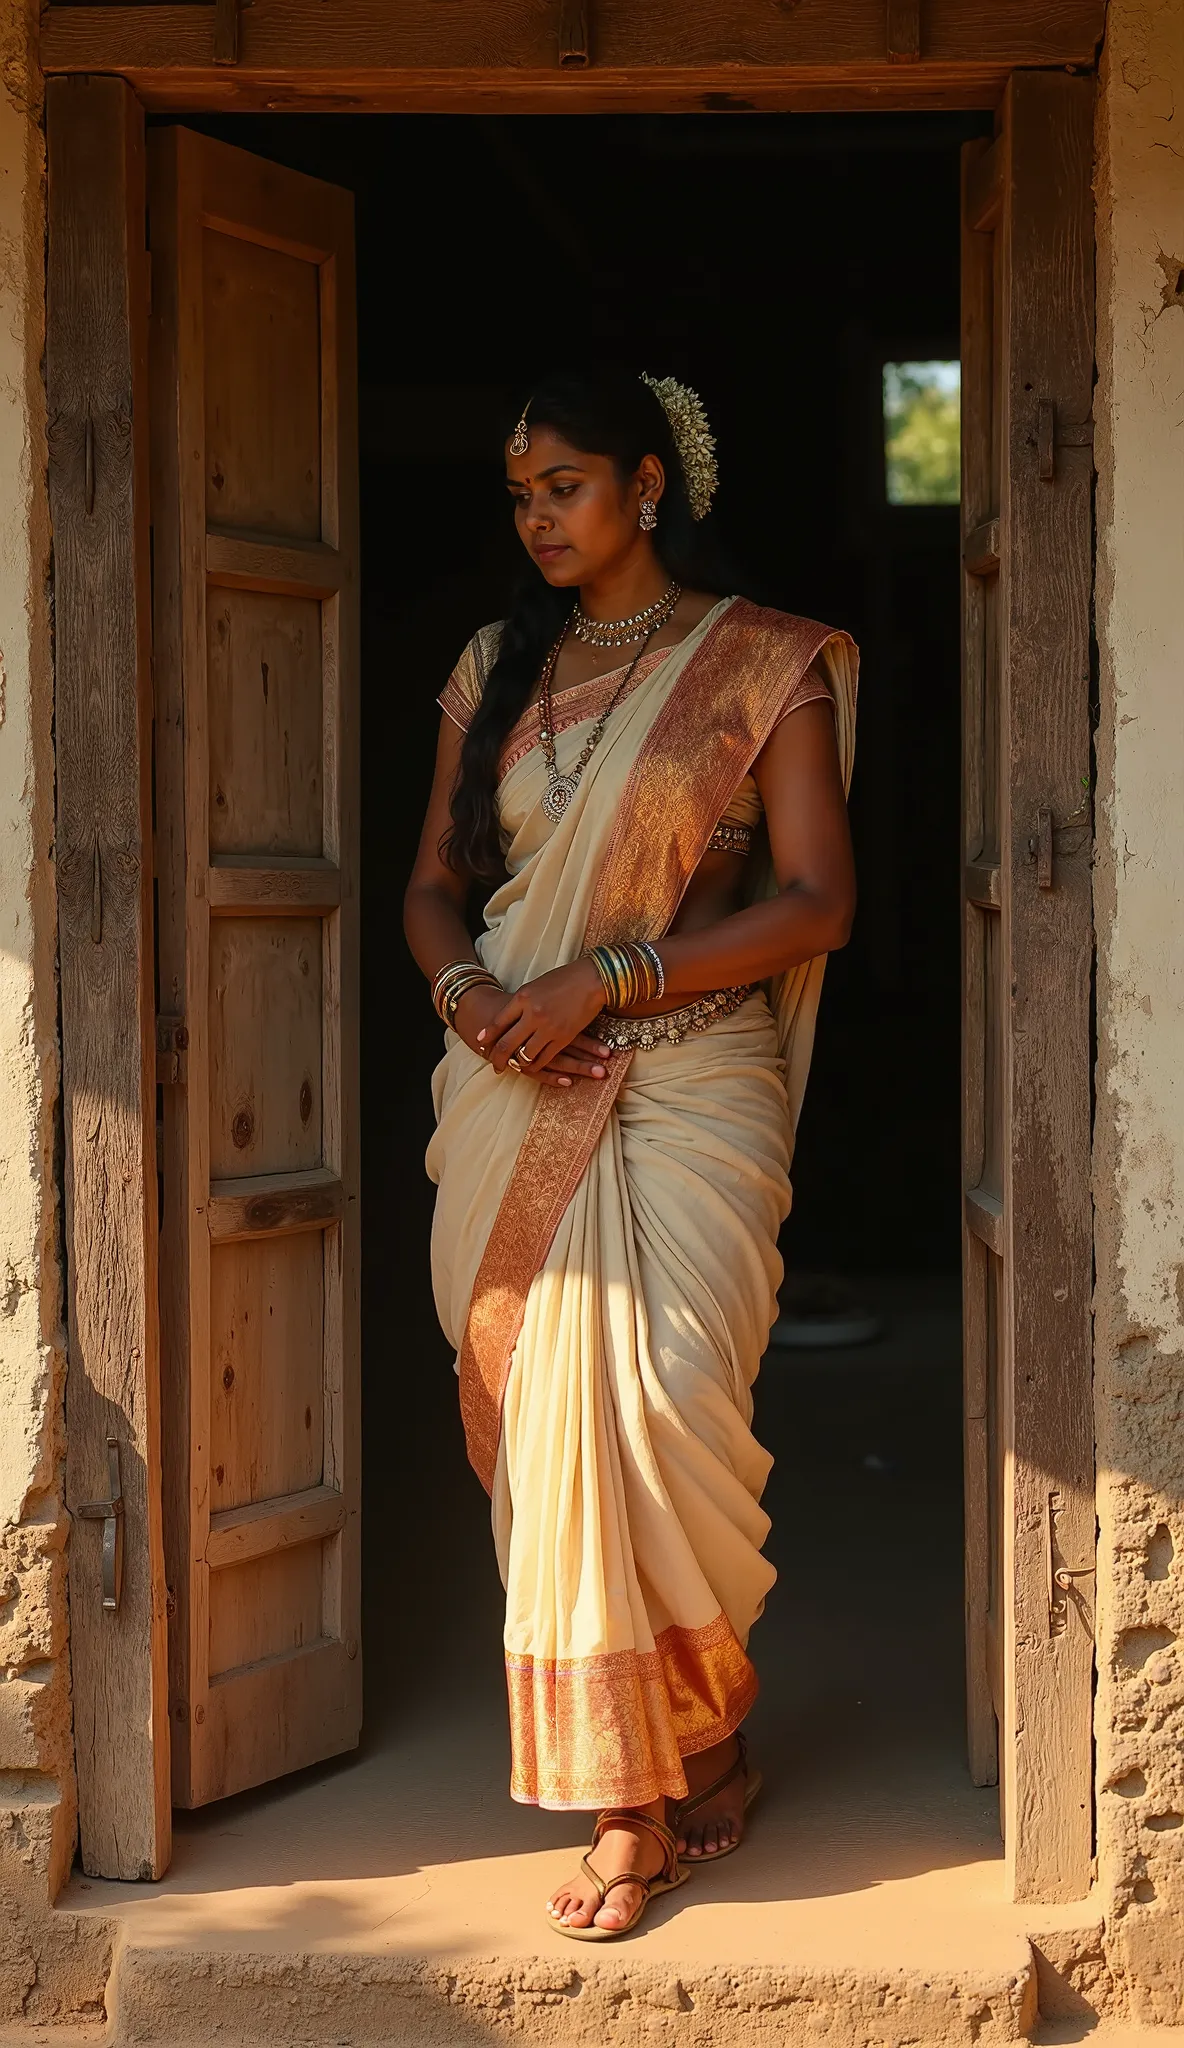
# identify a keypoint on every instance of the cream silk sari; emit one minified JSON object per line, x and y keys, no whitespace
{"x":605,"y":1256}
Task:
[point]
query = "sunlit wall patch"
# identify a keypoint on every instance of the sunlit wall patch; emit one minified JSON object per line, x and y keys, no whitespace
{"x":922,"y":405}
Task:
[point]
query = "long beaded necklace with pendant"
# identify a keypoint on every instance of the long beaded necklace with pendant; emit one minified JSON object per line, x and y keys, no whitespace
{"x":623,"y":632}
{"x":561,"y":788}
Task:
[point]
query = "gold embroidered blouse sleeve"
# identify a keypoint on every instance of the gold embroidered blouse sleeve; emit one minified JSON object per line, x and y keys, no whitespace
{"x":736,"y":830}
{"x":463,"y":691}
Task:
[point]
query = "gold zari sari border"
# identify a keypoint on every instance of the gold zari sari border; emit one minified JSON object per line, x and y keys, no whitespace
{"x":612,"y":1730}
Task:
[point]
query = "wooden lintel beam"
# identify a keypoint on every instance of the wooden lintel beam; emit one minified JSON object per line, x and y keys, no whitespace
{"x":701,"y":53}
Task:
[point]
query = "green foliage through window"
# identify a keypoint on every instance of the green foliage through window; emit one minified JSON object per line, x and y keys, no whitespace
{"x":921,"y":427}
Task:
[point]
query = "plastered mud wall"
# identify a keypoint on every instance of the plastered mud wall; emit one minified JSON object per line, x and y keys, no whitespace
{"x":1139,"y":1181}
{"x":44,"y":1974}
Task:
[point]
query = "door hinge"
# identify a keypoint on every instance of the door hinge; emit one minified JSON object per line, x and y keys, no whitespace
{"x":172,"y":1047}
{"x":110,"y":1513}
{"x":1052,"y":433}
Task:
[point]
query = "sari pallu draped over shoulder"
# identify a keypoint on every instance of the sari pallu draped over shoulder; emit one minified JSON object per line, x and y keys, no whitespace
{"x":605,"y":1256}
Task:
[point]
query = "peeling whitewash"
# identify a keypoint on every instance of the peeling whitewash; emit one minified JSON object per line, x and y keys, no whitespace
{"x":1139,"y":1178}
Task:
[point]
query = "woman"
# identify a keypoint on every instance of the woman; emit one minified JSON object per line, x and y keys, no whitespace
{"x":628,"y":1047}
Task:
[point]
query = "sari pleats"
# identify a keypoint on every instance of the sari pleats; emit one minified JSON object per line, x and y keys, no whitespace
{"x":626,"y":1499}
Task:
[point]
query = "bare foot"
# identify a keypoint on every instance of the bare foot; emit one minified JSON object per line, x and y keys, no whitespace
{"x":718,"y":1824}
{"x":620,"y":1848}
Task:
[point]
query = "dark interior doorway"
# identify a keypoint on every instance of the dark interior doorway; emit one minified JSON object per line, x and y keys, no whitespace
{"x":776,"y":263}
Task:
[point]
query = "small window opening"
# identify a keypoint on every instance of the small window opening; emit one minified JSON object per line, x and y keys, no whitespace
{"x":922,"y":408}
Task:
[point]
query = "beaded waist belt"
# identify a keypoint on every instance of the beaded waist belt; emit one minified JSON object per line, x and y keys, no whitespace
{"x":641,"y":1034}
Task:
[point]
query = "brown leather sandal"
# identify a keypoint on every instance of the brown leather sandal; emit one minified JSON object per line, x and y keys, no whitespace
{"x":752,"y":1785}
{"x":668,"y":1878}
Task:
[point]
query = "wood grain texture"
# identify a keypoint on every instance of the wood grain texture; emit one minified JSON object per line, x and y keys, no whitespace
{"x":251,"y":562}
{"x":264,"y":723}
{"x":978,"y":501}
{"x":980,"y":549}
{"x":239,"y":1534}
{"x":274,"y":1204}
{"x":982,"y":189}
{"x":266,"y":1389}
{"x":240,"y":885}
{"x":984,"y":886}
{"x":691,"y":54}
{"x":257,"y":663}
{"x":984,"y":1218}
{"x":97,"y":388}
{"x":1045,"y":269}
{"x":903,"y":31}
{"x":226,"y":31}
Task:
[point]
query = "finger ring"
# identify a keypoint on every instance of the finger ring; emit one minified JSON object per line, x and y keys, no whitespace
{"x":523,"y":1055}
{"x":513,"y":1064}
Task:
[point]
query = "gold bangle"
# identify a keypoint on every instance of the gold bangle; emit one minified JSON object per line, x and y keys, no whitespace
{"x":454,"y":981}
{"x":598,"y":955}
{"x":452,"y":967}
{"x":629,"y":974}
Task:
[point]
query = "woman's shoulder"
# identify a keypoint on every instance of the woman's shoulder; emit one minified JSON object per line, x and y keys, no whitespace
{"x":782,"y":626}
{"x":466,"y":685}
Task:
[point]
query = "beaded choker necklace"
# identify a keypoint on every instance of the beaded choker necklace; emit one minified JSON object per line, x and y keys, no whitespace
{"x":623,"y":632}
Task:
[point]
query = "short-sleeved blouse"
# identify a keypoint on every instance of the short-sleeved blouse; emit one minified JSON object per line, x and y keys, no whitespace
{"x":462,"y":694}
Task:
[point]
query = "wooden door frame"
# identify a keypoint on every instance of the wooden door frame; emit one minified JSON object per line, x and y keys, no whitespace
{"x":96,"y":376}
{"x":173,"y":58}
{"x":578,"y":56}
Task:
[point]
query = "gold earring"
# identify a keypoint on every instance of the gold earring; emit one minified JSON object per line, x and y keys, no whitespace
{"x":648,"y":517}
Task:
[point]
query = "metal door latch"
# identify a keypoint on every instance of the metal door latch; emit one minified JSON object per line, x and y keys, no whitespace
{"x":110,"y":1514}
{"x":1060,"y":1575}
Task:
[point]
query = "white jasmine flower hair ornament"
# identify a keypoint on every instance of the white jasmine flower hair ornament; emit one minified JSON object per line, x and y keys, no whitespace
{"x":693,"y":439}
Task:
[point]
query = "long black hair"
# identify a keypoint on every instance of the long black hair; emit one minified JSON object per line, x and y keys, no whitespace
{"x":599,"y":412}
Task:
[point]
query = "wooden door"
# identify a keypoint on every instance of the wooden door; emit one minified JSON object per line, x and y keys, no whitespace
{"x":1027,"y":374}
{"x":254,"y":496}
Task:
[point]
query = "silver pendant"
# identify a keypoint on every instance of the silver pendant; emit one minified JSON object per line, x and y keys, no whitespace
{"x":557,"y":795}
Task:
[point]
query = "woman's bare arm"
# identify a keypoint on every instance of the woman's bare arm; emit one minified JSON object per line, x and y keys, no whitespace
{"x":434,"y":922}
{"x":801,"y":786}
{"x":435,"y":898}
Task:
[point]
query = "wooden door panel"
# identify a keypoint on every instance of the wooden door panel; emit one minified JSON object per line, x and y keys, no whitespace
{"x":266,"y":1045}
{"x":271,"y":1607}
{"x":1027,"y":551}
{"x":267,"y":1379}
{"x":266,"y":723}
{"x":256,"y":661}
{"x":263,"y":431}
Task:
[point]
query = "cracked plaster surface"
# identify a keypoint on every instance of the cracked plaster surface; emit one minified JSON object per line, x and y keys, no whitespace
{"x":1139,"y":1164}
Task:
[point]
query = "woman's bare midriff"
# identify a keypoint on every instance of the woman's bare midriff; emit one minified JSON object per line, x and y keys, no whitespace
{"x":713,"y":892}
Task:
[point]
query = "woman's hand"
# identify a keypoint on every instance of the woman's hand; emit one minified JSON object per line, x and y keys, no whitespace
{"x":542,"y":1027}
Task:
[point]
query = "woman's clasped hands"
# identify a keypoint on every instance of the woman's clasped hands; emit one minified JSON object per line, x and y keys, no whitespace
{"x":539,"y":1032}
